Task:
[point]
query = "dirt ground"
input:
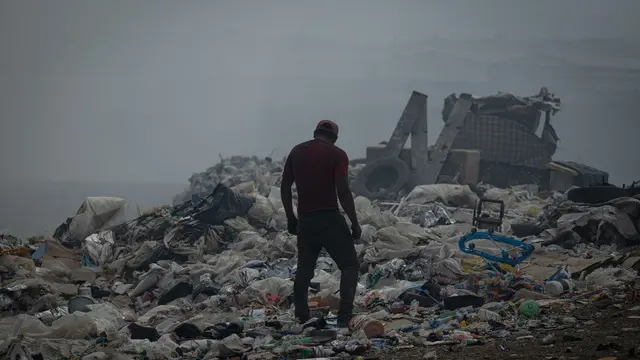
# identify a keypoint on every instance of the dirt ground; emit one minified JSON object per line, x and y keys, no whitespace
{"x":604,"y":330}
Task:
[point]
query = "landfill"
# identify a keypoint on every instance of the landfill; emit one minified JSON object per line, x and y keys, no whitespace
{"x":210,"y":277}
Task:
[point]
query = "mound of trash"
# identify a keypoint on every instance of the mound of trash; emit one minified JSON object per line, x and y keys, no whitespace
{"x":211,"y":275}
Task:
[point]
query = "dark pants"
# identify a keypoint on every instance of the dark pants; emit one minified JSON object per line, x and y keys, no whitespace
{"x":326,"y":229}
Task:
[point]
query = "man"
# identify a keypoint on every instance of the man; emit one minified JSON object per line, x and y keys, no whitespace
{"x":320,"y":171}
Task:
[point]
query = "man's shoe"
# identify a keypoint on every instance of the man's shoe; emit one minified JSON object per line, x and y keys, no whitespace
{"x":343,"y":322}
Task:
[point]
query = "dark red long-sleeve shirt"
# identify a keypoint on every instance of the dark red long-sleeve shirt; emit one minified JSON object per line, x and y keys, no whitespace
{"x":313,"y":166}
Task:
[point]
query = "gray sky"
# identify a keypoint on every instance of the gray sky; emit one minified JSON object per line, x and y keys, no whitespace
{"x":153,"y":90}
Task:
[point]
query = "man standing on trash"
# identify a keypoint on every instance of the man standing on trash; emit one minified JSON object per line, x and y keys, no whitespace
{"x":320,"y":172}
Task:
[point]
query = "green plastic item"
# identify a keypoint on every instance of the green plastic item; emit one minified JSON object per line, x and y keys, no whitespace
{"x":529,"y":309}
{"x":446,"y":314}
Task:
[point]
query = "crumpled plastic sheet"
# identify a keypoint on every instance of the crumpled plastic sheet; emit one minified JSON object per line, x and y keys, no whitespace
{"x":75,"y":326}
{"x":326,"y":280}
{"x":246,"y":276}
{"x":21,"y":325}
{"x":107,"y":317}
{"x":604,"y":214}
{"x":390,"y":238}
{"x":232,"y":345}
{"x":431,"y":260}
{"x":54,"y":348}
{"x":99,"y":247}
{"x":278,"y":220}
{"x":371,"y":215}
{"x":49,"y":316}
{"x":372,"y":255}
{"x":387,"y":293}
{"x":368,"y":232}
{"x":609,"y":277}
{"x":327,"y":264}
{"x":411,"y":231}
{"x":261,"y":212}
{"x":449,"y":194}
{"x":18,"y":264}
{"x":239,"y":224}
{"x":160,"y":312}
{"x":248,"y":240}
{"x":284,"y":267}
{"x":159,"y":349}
{"x":183,"y":238}
{"x":436,"y":215}
{"x":144,"y":254}
{"x":224,"y":263}
{"x":283,"y":246}
{"x":149,"y":280}
{"x":512,"y":196}
{"x":258,"y":290}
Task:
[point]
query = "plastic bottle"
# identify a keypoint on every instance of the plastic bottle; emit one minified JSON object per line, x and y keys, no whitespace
{"x":555,"y":248}
{"x":410,"y":328}
{"x":413,"y":310}
{"x":459,"y":335}
{"x":446,"y":314}
{"x":353,"y":347}
{"x":470,"y":342}
{"x":379,"y":315}
{"x":559,"y":287}
{"x":314,"y":351}
{"x":486,"y":315}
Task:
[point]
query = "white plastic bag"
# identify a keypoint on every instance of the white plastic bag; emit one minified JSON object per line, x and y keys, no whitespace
{"x":269,"y":286}
{"x":74,"y":326}
{"x":411,"y":231}
{"x":448,"y":194}
{"x":99,"y":247}
{"x":368,"y":232}
{"x":369,"y":214}
{"x":22,"y":325}
{"x":247,"y":240}
{"x":106,"y":317}
{"x":390,"y":238}
{"x":261,"y":212}
{"x":275,"y":199}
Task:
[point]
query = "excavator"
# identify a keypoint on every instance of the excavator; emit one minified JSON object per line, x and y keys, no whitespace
{"x":489,"y":139}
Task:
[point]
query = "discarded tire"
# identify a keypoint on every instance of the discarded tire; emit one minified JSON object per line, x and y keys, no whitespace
{"x":381,"y":177}
{"x":596,"y":194}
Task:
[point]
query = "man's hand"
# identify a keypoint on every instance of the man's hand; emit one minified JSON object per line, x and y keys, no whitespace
{"x":292,"y":226}
{"x":356,"y":231}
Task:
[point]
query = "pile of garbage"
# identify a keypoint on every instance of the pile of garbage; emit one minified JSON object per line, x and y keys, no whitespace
{"x":263,"y":173}
{"x":211,"y":276}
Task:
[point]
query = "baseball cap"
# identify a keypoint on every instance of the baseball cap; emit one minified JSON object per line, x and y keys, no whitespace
{"x":328,"y":125}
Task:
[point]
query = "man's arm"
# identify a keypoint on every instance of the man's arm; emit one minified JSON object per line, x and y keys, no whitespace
{"x":343,"y":189}
{"x":285,"y":188}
